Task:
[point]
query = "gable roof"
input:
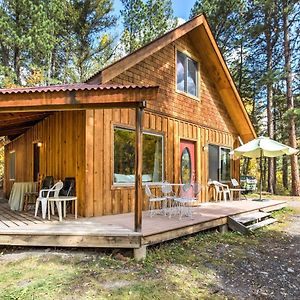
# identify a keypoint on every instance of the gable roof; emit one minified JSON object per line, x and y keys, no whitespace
{"x":204,"y":42}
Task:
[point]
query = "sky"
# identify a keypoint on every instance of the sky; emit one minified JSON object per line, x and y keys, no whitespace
{"x":181,"y":8}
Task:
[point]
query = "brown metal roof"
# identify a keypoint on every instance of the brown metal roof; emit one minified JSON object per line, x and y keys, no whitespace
{"x":70,"y":87}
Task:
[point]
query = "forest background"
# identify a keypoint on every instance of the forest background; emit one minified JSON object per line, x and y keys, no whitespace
{"x":44,"y":42}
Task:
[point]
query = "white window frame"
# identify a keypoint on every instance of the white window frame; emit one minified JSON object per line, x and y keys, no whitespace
{"x":188,"y":57}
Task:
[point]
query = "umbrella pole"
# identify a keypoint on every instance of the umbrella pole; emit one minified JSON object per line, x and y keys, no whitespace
{"x":261,"y":165}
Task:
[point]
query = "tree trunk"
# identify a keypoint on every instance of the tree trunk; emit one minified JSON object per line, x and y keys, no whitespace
{"x":270,"y":117}
{"x":290,"y":102}
{"x":285,"y":181}
{"x":264,"y":174}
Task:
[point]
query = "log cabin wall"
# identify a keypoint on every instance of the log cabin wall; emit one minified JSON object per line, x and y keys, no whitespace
{"x":174,"y":114}
{"x":62,"y":153}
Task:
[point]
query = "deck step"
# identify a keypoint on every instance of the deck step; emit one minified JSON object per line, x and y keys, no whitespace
{"x":261,"y":224}
{"x":251,"y":217}
{"x":274,"y":207}
{"x":248,"y":222}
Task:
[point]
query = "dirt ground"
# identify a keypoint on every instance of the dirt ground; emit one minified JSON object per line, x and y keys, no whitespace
{"x":269,"y":269}
{"x":265,"y":265}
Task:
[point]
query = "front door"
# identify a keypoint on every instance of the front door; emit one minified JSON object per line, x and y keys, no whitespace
{"x":187,"y":163}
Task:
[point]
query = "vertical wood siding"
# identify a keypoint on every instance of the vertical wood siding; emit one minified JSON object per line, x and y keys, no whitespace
{"x":113,"y":199}
{"x":62,"y":153}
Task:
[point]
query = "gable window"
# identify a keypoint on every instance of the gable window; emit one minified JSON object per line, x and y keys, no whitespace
{"x":219,"y":163}
{"x":12,"y":165}
{"x":124,"y":156}
{"x":187,"y":74}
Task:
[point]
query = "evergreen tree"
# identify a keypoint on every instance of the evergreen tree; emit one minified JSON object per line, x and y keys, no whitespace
{"x":92,"y":44}
{"x":145,"y":21}
{"x":286,"y":10}
{"x":53,"y":41}
{"x":133,"y":14}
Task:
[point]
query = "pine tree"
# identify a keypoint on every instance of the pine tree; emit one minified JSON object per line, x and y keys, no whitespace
{"x":92,"y":44}
{"x":287,"y":6}
{"x":145,"y":21}
{"x":133,"y":14}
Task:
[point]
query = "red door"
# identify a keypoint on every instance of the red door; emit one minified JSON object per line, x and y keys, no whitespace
{"x":187,"y":163}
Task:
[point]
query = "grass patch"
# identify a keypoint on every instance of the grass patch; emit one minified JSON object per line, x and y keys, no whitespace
{"x":188,"y":268}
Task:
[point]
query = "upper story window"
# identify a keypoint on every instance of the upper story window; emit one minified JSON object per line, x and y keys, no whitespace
{"x":187,"y":74}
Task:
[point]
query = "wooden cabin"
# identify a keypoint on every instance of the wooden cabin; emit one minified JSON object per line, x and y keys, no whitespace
{"x":177,"y":86}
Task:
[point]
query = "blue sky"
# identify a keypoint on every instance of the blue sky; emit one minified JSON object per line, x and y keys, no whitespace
{"x":181,"y":8}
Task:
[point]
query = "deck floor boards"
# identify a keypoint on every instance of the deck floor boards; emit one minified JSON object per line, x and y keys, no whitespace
{"x":117,"y":228}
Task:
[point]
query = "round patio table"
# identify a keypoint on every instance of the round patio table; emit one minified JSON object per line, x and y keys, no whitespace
{"x":16,"y":197}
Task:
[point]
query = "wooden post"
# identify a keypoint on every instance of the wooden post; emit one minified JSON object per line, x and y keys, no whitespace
{"x":138,"y":167}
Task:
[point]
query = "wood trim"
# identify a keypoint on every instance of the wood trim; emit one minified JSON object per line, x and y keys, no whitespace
{"x":79,"y":100}
{"x":138,"y":169}
{"x":228,"y":75}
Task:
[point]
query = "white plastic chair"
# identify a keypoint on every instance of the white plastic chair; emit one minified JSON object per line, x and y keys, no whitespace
{"x":153,"y":200}
{"x":185,"y":201}
{"x":222,"y":190}
{"x":44,"y":195}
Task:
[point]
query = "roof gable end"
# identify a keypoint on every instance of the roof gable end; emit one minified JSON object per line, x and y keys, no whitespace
{"x":199,"y":31}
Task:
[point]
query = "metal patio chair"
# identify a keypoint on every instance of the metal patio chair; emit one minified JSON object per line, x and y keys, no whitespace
{"x":184,"y":203}
{"x":155,"y":201}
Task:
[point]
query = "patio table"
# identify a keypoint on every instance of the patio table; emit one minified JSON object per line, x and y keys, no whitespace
{"x":58,"y":200}
{"x":16,"y":197}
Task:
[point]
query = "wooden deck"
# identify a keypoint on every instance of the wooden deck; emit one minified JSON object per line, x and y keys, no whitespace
{"x":116,"y":231}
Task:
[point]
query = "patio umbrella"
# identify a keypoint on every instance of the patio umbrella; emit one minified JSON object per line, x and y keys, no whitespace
{"x":263,"y":147}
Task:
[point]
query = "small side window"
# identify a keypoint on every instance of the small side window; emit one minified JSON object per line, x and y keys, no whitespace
{"x":219,"y":163}
{"x":12,"y":165}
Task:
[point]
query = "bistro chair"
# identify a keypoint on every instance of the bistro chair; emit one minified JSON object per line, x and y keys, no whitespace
{"x":167,"y":191}
{"x":155,"y":201}
{"x":188,"y":195}
{"x":44,"y":195}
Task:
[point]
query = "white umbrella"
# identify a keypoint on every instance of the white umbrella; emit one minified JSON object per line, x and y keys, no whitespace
{"x":263,"y":147}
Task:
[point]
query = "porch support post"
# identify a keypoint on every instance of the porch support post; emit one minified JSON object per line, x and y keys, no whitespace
{"x":138,"y":166}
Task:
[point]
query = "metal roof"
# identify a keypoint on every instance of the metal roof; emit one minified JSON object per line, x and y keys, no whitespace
{"x":70,"y":87}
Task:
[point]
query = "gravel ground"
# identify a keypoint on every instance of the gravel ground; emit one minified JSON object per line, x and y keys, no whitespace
{"x":269,"y":269}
